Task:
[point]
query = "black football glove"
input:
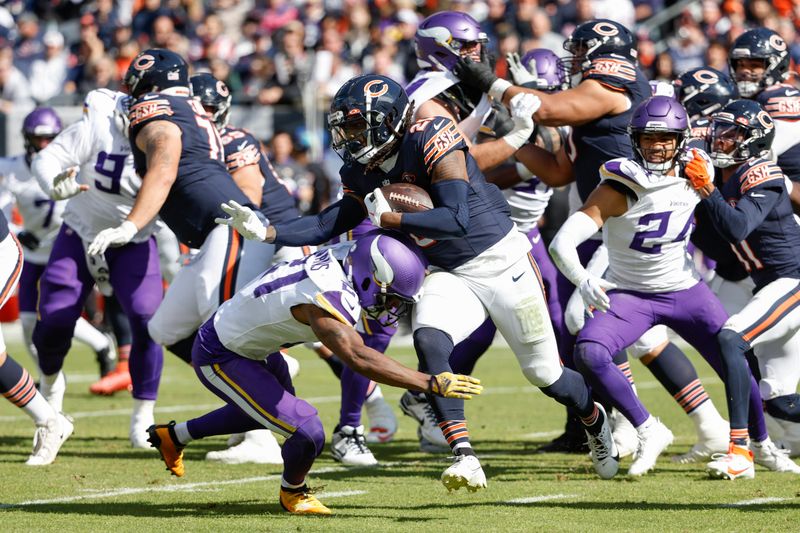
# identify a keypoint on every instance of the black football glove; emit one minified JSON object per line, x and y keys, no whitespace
{"x":481,"y":75}
{"x":28,"y":240}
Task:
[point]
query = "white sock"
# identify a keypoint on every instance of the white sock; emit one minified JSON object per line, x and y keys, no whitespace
{"x":707,"y":421}
{"x":646,"y":424}
{"x":182,"y":432}
{"x":285,"y":484}
{"x":375,"y":395}
{"x":90,"y":335}
{"x":53,"y":388}
{"x":39,"y":409}
{"x":143,"y":409}
{"x":28,"y":321}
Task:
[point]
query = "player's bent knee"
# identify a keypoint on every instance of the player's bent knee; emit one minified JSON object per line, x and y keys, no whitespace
{"x":433,"y":347}
{"x":540,"y":372}
{"x":310,"y":435}
{"x":731,"y":343}
{"x":591,"y":356}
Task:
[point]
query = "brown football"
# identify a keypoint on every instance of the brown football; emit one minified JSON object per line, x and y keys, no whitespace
{"x":407,"y":198}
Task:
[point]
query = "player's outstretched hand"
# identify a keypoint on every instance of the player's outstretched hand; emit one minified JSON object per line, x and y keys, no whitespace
{"x":66,"y":186}
{"x":698,"y":170}
{"x":118,"y":236}
{"x":449,"y":385}
{"x":520,"y":74}
{"x":593,"y":291}
{"x":475,"y":74}
{"x":523,"y":106}
{"x":376,"y":205}
{"x":243,"y":220}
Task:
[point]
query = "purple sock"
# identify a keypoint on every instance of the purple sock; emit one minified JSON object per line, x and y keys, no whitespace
{"x":223,"y":421}
{"x":301,"y":449}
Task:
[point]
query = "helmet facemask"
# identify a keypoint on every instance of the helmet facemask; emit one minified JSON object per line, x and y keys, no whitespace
{"x":751,"y":83}
{"x":729,"y":143}
{"x":659,"y":156}
{"x":366,"y":137}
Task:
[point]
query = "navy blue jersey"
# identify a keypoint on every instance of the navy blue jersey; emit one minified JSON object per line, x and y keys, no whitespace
{"x":424,"y":145}
{"x":3,"y":226}
{"x":782,"y":102}
{"x":592,"y":144}
{"x":203,"y":183}
{"x":241,"y":150}
{"x":770,"y":247}
{"x":708,"y":240}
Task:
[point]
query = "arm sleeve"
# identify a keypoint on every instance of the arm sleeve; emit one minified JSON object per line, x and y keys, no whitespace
{"x":449,"y":220}
{"x":338,"y":218}
{"x":69,"y":149}
{"x":564,"y":247}
{"x":736,"y":223}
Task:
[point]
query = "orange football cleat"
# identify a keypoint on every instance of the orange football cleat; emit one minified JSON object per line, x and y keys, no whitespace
{"x":163,"y":439}
{"x":301,"y":501}
{"x":118,"y":380}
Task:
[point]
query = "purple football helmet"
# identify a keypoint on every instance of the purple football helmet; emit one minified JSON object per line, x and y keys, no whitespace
{"x":42,"y":124}
{"x":386,"y":270}
{"x":549,"y":70}
{"x":659,"y":114}
{"x":441,"y":36}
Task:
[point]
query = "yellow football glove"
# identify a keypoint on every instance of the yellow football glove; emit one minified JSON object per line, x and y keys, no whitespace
{"x":451,"y":385}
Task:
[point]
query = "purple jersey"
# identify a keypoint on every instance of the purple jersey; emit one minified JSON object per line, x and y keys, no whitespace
{"x":203,"y":182}
{"x":424,"y":145}
{"x":242,"y":149}
{"x":594,"y":143}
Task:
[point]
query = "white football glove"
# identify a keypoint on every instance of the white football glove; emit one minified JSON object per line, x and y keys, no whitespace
{"x":376,"y":206}
{"x":523,"y":106}
{"x":118,"y":236}
{"x":66,"y":186}
{"x":244,"y":220}
{"x":593,"y":291}
{"x":519,"y":73}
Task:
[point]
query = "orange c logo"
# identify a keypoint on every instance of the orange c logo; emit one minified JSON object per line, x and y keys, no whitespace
{"x":605,"y":28}
{"x":222,"y":89}
{"x":777,"y":43}
{"x":706,"y":76}
{"x":382,"y":88}
{"x":144,"y":62}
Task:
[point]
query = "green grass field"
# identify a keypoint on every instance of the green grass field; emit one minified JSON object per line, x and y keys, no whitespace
{"x":99,"y":483}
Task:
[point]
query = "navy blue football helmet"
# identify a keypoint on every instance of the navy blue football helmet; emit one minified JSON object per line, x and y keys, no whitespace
{"x":154,"y":70}
{"x":704,"y":90}
{"x":369,"y":115}
{"x":597,"y":38}
{"x":740,"y":131}
{"x":764,"y":44}
{"x":214,"y":96}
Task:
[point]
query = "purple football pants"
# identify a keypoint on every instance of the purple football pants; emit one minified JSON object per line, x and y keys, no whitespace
{"x":135,"y":276}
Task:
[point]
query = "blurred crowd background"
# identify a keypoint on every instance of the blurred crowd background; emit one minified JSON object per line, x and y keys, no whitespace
{"x":292,"y":55}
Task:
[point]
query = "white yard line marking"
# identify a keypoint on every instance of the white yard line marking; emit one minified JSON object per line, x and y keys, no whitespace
{"x":541,"y":434}
{"x":341,"y":493}
{"x":176,"y":487}
{"x":756,"y":501}
{"x":537,"y":499}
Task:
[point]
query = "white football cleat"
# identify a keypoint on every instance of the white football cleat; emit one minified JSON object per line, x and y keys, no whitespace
{"x":292,"y":363}
{"x":48,"y":440}
{"x":466,"y":472}
{"x":605,"y":457}
{"x":626,"y":438}
{"x":234,"y":439}
{"x":138,"y":431}
{"x":382,"y":421}
{"x":652,"y":441}
{"x":349,"y":447}
{"x":258,"y":446}
{"x":738,"y":462}
{"x":714,"y":442}
{"x":784,"y":434}
{"x":768,"y":455}
{"x":430,"y":434}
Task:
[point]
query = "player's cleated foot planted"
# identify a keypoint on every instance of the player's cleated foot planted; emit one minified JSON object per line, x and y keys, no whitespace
{"x":653,"y":440}
{"x":48,"y":440}
{"x":605,"y":457}
{"x":466,"y":472}
{"x":118,"y":380}
{"x":768,"y":455}
{"x":302,"y":501}
{"x":738,"y":462}
{"x":162,"y":438}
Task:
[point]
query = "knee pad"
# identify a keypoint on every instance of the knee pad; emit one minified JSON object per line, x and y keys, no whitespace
{"x":540,"y":371}
{"x":591,"y":356}
{"x":311,"y":435}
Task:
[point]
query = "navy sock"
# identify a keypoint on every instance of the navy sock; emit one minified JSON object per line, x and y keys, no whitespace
{"x":736,"y":375}
{"x":434,"y":347}
{"x":571,"y":390}
{"x":677,"y":374}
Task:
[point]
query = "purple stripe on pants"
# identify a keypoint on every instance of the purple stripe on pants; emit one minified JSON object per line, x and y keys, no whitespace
{"x":135,"y":276}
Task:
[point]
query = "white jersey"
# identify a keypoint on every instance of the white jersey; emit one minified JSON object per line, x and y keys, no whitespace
{"x":527,"y":201}
{"x":99,"y":146}
{"x":258,"y":319}
{"x":647,"y":245}
{"x":429,"y":83}
{"x":41,"y":216}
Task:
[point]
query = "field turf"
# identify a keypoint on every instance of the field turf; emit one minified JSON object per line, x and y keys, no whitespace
{"x":98,"y":483}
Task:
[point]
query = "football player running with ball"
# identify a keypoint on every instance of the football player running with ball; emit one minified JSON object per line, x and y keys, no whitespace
{"x":481,"y":264}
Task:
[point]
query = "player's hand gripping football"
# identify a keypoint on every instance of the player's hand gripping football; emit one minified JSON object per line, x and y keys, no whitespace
{"x":593,"y":291}
{"x":118,"y":236}
{"x":244,"y":220}
{"x":376,"y":205}
{"x":520,"y":74}
{"x":699,"y":171}
{"x":66,"y":186}
{"x":449,"y":385}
